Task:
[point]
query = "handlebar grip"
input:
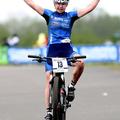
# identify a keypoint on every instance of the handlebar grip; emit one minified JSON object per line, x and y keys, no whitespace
{"x":79,"y":57}
{"x":33,"y":56}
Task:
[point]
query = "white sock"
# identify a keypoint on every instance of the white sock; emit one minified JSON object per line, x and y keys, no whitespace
{"x":71,"y":85}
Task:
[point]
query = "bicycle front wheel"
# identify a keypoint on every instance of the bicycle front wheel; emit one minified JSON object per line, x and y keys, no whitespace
{"x":56,"y":98}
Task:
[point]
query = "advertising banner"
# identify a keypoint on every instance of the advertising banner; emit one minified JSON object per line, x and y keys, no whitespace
{"x":43,"y":51}
{"x":3,"y":55}
{"x":20,"y":55}
{"x":99,"y":53}
{"x":119,"y":53}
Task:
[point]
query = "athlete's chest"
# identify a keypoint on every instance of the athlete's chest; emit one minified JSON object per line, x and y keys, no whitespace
{"x":62,"y":21}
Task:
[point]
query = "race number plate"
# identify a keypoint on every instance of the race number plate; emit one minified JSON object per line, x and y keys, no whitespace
{"x":59,"y":65}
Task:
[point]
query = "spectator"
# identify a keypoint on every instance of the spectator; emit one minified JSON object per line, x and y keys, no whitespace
{"x":12,"y":41}
{"x":41,"y":41}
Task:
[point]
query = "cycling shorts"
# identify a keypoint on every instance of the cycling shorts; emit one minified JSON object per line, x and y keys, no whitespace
{"x":59,"y":50}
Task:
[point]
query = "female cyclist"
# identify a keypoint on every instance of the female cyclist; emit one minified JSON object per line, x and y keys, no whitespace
{"x":60,"y":25}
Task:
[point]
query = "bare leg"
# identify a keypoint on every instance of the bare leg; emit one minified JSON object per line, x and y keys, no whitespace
{"x":77,"y":71}
{"x":47,"y":96}
{"x":47,"y":87}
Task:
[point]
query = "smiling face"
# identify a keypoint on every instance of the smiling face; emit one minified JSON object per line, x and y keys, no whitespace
{"x":60,"y":7}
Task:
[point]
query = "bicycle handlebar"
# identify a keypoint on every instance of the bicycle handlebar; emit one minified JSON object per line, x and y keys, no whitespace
{"x":44,"y":59}
{"x":33,"y":56}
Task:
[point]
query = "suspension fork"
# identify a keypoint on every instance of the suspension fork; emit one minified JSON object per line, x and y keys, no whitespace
{"x":64,"y":103}
{"x":62,"y":89}
{"x":62,"y":93}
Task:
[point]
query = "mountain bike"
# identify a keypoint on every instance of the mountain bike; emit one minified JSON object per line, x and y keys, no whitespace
{"x":58,"y":103}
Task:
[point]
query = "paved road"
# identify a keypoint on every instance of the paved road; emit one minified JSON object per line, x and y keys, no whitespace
{"x":22,"y":94}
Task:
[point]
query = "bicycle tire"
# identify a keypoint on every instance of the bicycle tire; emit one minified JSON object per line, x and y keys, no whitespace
{"x":62,"y":114}
{"x":56,"y":98}
{"x":63,"y":103}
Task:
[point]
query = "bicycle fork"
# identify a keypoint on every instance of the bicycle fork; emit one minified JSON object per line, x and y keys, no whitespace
{"x":64,"y":103}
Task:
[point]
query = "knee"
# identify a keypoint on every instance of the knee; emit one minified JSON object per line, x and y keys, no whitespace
{"x":48,"y":77}
{"x":80,"y":65}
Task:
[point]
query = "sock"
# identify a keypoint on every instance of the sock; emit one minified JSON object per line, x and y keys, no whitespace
{"x":72,"y":84}
{"x":48,"y":111}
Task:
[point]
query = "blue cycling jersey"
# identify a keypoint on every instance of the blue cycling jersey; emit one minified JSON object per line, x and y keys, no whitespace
{"x":59,"y":25}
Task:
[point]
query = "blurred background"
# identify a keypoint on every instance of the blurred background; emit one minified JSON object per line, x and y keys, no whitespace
{"x":97,"y":35}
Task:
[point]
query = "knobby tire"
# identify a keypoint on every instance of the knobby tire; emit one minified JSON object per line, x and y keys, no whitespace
{"x":58,"y":113}
{"x":56,"y":98}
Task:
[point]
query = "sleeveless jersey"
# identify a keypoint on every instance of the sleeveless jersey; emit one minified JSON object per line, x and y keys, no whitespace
{"x":59,"y":25}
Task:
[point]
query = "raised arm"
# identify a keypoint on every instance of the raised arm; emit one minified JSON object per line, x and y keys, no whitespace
{"x":34,"y":6}
{"x":88,"y":9}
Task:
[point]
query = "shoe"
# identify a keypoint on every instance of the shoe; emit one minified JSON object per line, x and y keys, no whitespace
{"x":48,"y":117}
{"x":71,"y":94}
